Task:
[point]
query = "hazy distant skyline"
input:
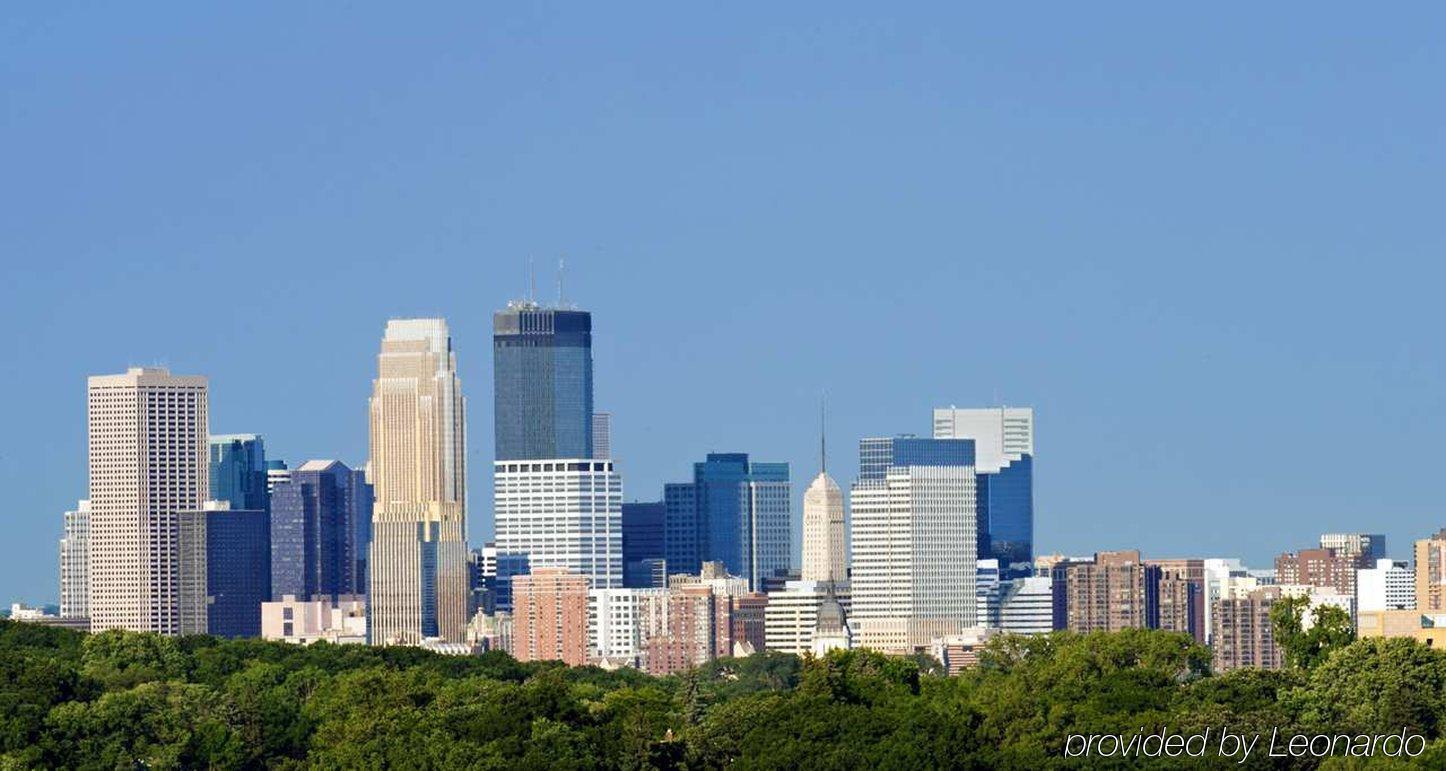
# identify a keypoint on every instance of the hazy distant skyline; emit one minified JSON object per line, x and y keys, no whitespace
{"x":1203,"y":246}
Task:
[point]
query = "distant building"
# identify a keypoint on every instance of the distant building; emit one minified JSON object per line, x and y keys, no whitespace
{"x":1182,"y":608}
{"x":225,"y":569}
{"x":417,"y":465}
{"x":562,"y":513}
{"x":1365,"y":547}
{"x":1004,"y":464}
{"x":913,"y":566}
{"x":959,"y":652}
{"x":75,"y":563}
{"x":1320,"y":567}
{"x":542,"y":367}
{"x":791,"y":619}
{"x":825,"y":534}
{"x":1390,"y":585}
{"x":238,"y":471}
{"x":1242,"y":635}
{"x":320,"y":528}
{"x":550,"y":616}
{"x":1118,"y":590}
{"x":735,"y":511}
{"x":1026,"y":605}
{"x":147,"y":436}
{"x":682,"y":628}
{"x":612,"y":627}
{"x":643,"y":544}
{"x":1219,"y":575}
{"x":339,"y":620}
{"x":1431,"y":573}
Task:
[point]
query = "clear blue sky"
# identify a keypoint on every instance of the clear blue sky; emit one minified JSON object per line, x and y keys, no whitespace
{"x":1204,"y":243}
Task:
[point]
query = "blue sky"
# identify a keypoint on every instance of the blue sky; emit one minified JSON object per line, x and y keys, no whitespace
{"x":1204,"y":243}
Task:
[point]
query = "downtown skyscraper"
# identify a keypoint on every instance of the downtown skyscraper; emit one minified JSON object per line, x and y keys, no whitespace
{"x":912,"y":532}
{"x":557,"y":505}
{"x":735,"y":511}
{"x":417,"y":467}
{"x":1004,"y":455}
{"x":542,"y":369}
{"x":147,"y":438}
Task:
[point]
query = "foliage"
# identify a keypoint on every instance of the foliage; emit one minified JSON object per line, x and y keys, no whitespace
{"x":1331,"y":629}
{"x":119,"y":700}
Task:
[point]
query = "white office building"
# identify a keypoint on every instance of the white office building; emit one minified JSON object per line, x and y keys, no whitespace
{"x":562,"y":513}
{"x":1390,"y":585}
{"x":914,"y":545}
{"x":75,"y":563}
{"x":147,"y":441}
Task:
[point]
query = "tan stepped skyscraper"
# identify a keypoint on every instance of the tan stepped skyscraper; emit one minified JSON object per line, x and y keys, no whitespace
{"x":147,"y":446}
{"x":824,"y":557}
{"x":417,"y":583}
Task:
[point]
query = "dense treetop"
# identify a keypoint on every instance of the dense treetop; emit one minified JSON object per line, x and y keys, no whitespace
{"x":122,"y":700}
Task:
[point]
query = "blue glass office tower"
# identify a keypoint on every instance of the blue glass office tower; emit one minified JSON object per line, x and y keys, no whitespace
{"x":542,"y":359}
{"x":1006,"y":515}
{"x":643,"y":543}
{"x":734,"y":511}
{"x":877,"y":455}
{"x":320,"y":529}
{"x":238,"y":471}
{"x":238,"y":571}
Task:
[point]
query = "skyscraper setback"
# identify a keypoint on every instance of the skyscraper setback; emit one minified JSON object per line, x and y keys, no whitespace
{"x":542,"y":359}
{"x":417,"y":467}
{"x":147,"y":453}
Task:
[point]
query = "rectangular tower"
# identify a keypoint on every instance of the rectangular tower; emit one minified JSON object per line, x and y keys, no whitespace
{"x":320,"y":531}
{"x":735,"y":511}
{"x":417,"y":565}
{"x":542,"y":359}
{"x":562,"y":513}
{"x":913,"y":567}
{"x":147,"y":439}
{"x":75,"y":563}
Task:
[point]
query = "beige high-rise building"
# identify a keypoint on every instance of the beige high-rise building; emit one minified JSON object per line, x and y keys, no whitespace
{"x":824,"y":557}
{"x":417,"y":565}
{"x":147,"y":440}
{"x":1431,"y":573}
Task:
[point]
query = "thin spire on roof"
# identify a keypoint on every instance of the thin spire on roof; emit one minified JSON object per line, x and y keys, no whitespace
{"x":822,"y":434}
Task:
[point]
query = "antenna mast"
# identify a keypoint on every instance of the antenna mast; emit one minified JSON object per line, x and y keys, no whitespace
{"x":822,"y":434}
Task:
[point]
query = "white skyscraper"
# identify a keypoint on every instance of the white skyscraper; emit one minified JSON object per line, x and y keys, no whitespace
{"x":914,"y":548}
{"x":824,"y":534}
{"x":75,"y":563}
{"x":1001,"y":434}
{"x":562,"y":513}
{"x":790,"y":620}
{"x":148,"y":462}
{"x":417,"y":565}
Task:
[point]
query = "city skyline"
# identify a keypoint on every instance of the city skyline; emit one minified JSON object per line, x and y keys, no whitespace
{"x":1163,"y":242}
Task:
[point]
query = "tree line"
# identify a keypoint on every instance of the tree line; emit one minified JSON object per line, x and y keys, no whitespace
{"x":126,"y":700}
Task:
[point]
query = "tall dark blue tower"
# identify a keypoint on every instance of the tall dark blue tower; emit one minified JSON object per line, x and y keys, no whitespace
{"x":542,"y":359}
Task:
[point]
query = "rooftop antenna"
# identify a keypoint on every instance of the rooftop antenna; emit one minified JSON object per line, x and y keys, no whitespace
{"x":532,"y":271}
{"x":822,"y":434}
{"x":560,"y":269}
